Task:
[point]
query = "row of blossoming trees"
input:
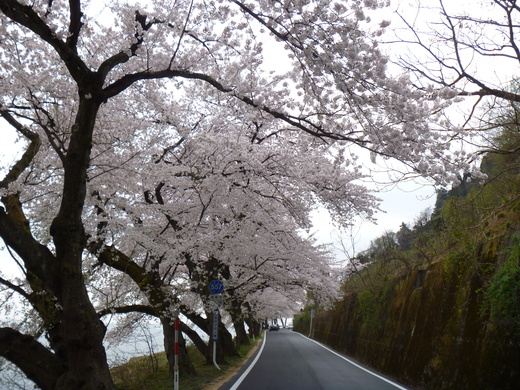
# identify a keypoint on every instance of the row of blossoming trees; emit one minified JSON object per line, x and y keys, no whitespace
{"x":159,"y":150}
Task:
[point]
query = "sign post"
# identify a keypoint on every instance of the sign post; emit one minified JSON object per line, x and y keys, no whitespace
{"x":216,"y":287}
{"x":215,"y":337}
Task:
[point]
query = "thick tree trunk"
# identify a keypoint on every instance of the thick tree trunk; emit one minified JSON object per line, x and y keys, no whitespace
{"x":195,"y":338}
{"x":79,"y":334}
{"x":82,"y":343}
{"x":225,"y":345}
{"x":237,"y":316}
{"x":226,"y":339}
{"x":59,"y":294}
{"x":78,"y":337}
{"x":241,"y":334}
{"x":254,"y":328}
{"x":185,"y":365}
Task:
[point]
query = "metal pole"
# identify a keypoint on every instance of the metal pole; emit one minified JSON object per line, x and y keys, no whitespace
{"x":176,"y":357}
{"x":215,"y":337}
{"x":310,"y":327}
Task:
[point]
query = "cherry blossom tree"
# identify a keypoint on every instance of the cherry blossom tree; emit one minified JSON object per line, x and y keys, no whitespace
{"x":230,"y":210}
{"x":103,"y":97}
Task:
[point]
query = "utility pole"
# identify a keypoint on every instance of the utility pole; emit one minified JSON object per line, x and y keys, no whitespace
{"x":176,"y":354}
{"x":312,"y":316}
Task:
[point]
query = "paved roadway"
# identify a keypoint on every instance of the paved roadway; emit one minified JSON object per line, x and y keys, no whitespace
{"x":287,"y":360}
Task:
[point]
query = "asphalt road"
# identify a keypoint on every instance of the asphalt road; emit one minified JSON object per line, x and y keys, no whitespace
{"x":290,"y":361}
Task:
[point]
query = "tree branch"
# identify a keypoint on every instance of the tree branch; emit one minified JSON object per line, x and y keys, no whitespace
{"x":27,"y":17}
{"x":282,"y":37}
{"x":14,"y":287}
{"x":512,"y":97}
{"x":118,"y":260}
{"x":145,"y":309}
{"x":124,"y":56}
{"x":296,"y":122}
{"x":75,"y":23}
{"x":37,"y":362}
{"x":26,"y":159}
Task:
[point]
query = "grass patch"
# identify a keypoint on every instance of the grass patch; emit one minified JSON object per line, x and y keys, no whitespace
{"x":151,"y":372}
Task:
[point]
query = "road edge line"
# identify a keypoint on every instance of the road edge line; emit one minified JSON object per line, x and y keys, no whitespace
{"x":246,"y":372}
{"x":355,"y":364}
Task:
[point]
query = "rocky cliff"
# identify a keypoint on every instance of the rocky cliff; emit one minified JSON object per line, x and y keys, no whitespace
{"x":436,"y":327}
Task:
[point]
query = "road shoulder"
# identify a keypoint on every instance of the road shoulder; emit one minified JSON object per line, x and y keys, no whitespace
{"x":231,"y":374}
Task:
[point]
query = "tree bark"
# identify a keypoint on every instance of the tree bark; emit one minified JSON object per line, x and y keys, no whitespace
{"x":58,"y":291}
{"x":185,"y":365}
{"x":225,"y":341}
{"x":151,"y":285}
{"x":237,"y":316}
{"x":241,"y":334}
{"x":254,"y":327}
{"x":195,"y":338}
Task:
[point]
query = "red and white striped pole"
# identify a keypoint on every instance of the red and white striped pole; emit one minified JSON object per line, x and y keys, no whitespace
{"x":176,"y":357}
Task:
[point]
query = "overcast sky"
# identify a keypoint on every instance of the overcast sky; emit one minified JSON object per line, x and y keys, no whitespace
{"x":403,"y":204}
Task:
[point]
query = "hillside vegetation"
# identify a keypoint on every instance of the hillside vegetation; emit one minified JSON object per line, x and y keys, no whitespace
{"x":437,"y":305}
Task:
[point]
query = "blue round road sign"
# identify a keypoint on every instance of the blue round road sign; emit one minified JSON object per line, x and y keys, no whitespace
{"x":216,"y":287}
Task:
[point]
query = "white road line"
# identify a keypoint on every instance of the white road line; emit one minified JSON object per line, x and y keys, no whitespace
{"x":243,"y":376}
{"x":355,"y":364}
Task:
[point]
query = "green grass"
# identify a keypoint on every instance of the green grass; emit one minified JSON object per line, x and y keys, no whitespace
{"x":151,"y":372}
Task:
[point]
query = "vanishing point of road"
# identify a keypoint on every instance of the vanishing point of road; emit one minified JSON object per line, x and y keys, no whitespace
{"x":287,"y":360}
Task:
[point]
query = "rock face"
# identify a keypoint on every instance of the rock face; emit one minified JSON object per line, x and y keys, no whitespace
{"x":429,"y":328}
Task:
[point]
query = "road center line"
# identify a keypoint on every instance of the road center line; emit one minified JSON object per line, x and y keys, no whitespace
{"x":243,"y":376}
{"x":355,"y":364}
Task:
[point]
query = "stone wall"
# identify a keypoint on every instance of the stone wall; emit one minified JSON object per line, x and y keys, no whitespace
{"x":427,"y":330}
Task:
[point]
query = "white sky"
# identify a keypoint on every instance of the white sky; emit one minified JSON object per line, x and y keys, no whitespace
{"x":404,"y":203}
